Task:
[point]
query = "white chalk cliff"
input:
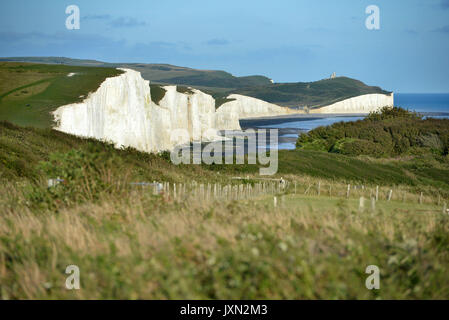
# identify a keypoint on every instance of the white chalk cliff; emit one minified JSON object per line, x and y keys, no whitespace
{"x":361,"y":104}
{"x":121,"y":112}
{"x":241,"y":107}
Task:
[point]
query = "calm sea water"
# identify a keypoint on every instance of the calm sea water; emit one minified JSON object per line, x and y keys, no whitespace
{"x":434,"y":105}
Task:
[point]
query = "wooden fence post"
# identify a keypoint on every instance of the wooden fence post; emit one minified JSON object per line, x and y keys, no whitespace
{"x":377,"y":193}
{"x":390,"y":193}
{"x":361,"y":203}
{"x":174,"y":191}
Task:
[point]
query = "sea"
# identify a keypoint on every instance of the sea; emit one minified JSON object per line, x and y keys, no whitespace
{"x":429,"y":105}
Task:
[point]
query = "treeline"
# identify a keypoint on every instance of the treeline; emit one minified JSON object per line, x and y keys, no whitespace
{"x":388,"y":132}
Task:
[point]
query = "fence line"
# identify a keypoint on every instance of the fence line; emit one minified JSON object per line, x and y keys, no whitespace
{"x":217,"y":191}
{"x":260,"y":186}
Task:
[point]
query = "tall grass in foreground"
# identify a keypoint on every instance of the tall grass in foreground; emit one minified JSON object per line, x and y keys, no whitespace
{"x":146,"y":246}
{"x":131,"y":243}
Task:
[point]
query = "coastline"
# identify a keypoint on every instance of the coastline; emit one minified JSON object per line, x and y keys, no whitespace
{"x":289,"y":126}
{"x":273,"y":120}
{"x":269,"y":121}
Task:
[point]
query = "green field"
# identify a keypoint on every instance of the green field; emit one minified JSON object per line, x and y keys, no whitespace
{"x":29,"y":92}
{"x":190,"y":243}
{"x":220,"y":84}
{"x":214,"y":80}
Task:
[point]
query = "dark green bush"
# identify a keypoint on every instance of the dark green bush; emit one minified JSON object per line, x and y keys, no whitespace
{"x":389,"y":132}
{"x":358,"y":147}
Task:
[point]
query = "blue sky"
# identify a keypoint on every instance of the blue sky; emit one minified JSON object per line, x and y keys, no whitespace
{"x":297,"y":40}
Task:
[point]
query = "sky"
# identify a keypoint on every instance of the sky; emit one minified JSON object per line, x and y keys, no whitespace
{"x":286,"y":40}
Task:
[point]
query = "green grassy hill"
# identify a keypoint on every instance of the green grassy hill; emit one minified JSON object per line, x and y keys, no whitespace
{"x":130,"y":243}
{"x":214,"y":80}
{"x":311,"y":94}
{"x":29,"y":92}
{"x":21,"y":150}
{"x":220,"y":83}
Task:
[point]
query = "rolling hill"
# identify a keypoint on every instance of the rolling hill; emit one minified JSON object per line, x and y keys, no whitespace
{"x":220,"y":84}
{"x":28,"y":92}
{"x":214,"y":80}
{"x":313,"y":94}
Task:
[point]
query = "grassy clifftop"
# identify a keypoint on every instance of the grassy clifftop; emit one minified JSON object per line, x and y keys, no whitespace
{"x":311,"y":94}
{"x":215,"y":80}
{"x":221,"y":83}
{"x":29,"y":92}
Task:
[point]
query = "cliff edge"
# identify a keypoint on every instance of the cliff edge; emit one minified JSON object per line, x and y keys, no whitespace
{"x":121,"y":112}
{"x":362,"y":104}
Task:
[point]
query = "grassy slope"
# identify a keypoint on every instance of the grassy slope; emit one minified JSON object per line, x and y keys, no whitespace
{"x":29,"y":92}
{"x":140,"y":246}
{"x":132,"y":244}
{"x":418,"y":172}
{"x":312,"y":94}
{"x":21,"y":149}
{"x":165,"y":73}
{"x":220,"y":83}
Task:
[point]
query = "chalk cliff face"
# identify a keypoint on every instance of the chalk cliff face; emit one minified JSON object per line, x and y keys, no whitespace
{"x":193,"y":112}
{"x":242,"y":107}
{"x":121,"y":112}
{"x":361,"y":104}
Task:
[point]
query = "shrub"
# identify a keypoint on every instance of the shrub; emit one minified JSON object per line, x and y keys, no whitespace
{"x":432,"y":141}
{"x":392,"y":112}
{"x":388,"y":132}
{"x":85,"y":174}
{"x":358,"y":147}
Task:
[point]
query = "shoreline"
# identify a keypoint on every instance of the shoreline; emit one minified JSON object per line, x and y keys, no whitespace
{"x":264,"y":121}
{"x":273,"y":120}
{"x":289,"y":135}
